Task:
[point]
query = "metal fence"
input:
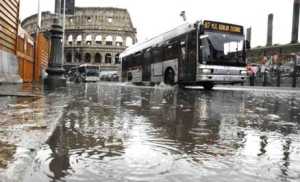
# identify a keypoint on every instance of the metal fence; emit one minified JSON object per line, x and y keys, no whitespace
{"x":276,"y":76}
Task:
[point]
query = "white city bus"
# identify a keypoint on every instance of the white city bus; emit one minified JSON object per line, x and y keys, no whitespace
{"x":204,"y":53}
{"x":88,"y":73}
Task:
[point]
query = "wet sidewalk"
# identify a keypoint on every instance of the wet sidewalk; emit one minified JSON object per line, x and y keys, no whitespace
{"x":28,"y":117}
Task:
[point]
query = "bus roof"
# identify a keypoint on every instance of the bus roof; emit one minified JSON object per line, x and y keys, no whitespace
{"x":158,"y":39}
{"x":184,"y":28}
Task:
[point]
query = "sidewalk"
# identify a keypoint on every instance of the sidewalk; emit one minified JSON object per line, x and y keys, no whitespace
{"x":251,"y":88}
{"x":258,"y":88}
{"x":28,"y":117}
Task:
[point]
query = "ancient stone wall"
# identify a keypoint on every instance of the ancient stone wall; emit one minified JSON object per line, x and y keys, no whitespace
{"x":93,"y":34}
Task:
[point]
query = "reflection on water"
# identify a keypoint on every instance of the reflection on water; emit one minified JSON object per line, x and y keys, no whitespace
{"x":119,"y":133}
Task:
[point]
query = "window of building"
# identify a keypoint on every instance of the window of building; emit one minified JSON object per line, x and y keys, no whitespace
{"x":69,"y":58}
{"x":119,"y":41}
{"x":98,"y":39}
{"x":89,"y":19}
{"x":129,"y":41}
{"x":87,"y":58}
{"x":70,"y":40}
{"x":88,"y":40}
{"x":98,"y":58}
{"x":117,"y":59}
{"x":78,"y":57}
{"x":79,"y":39}
{"x":108,"y":58}
{"x":109,"y":40}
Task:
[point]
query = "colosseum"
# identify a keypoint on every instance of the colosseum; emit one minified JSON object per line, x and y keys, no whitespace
{"x":95,"y":35}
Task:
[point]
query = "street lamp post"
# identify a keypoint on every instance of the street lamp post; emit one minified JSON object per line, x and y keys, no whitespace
{"x":55,"y":69}
{"x":183,"y":15}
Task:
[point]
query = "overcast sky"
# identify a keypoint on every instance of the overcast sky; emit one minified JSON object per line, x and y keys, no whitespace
{"x":152,"y":17}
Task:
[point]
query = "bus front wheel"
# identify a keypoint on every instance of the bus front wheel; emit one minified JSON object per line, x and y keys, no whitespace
{"x":169,"y":77}
{"x":208,"y":86}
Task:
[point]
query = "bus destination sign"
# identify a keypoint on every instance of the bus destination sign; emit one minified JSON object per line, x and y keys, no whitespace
{"x":223,"y":27}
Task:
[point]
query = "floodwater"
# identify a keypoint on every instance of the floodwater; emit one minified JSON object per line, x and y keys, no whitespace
{"x":116,"y":133}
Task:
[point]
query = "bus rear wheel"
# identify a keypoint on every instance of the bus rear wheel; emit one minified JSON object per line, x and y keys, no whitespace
{"x":208,"y":86}
{"x":169,"y":77}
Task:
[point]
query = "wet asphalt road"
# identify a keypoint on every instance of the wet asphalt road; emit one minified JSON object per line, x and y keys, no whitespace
{"x":115,"y":132}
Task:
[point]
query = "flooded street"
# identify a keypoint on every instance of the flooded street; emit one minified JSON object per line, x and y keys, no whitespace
{"x":116,"y":133}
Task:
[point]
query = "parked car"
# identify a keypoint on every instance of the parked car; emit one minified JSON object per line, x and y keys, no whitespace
{"x":84,"y":73}
{"x":109,"y":76}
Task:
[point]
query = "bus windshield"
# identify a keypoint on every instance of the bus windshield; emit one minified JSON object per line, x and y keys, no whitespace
{"x":89,"y":70}
{"x":223,"y":49}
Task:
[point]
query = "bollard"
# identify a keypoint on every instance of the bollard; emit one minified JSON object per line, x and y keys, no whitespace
{"x":265,"y":79}
{"x":252,"y":78}
{"x":294,"y":78}
{"x":278,"y":77}
{"x":294,"y":75}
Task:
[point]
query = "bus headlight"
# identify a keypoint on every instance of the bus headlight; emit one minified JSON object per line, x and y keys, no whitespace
{"x":243,"y":72}
{"x":207,"y":71}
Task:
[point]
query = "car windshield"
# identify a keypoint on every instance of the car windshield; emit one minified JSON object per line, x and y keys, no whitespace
{"x":89,"y":71}
{"x":92,"y":72}
{"x":223,"y":49}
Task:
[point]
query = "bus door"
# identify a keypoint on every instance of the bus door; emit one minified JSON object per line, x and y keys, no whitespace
{"x":189,"y":65}
{"x":182,"y":59}
{"x":146,"y":65}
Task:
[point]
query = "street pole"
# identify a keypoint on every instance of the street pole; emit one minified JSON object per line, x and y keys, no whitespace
{"x":183,"y":15}
{"x":39,"y":15}
{"x":35,"y":73}
{"x":294,"y":80}
{"x":55,"y":69}
{"x":64,"y":27}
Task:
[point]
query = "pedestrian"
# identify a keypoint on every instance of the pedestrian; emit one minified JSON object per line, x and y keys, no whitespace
{"x":251,"y":74}
{"x":264,"y":73}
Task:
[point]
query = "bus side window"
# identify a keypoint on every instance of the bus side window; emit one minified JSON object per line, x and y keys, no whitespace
{"x":175,"y":50}
{"x":157,"y":54}
{"x":168,"y":52}
{"x":129,"y":61}
{"x":171,"y":51}
{"x":139,"y":57}
{"x":124,"y":64}
{"x":147,"y":55}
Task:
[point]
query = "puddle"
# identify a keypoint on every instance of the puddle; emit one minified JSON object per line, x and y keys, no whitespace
{"x":7,"y":152}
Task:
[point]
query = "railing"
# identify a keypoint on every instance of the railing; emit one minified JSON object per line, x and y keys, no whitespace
{"x":276,"y":76}
{"x":42,"y":56}
{"x":25,"y":54}
{"x":32,"y":55}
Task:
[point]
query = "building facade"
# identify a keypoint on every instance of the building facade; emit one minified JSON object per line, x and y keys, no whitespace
{"x":93,"y":35}
{"x":9,"y":24}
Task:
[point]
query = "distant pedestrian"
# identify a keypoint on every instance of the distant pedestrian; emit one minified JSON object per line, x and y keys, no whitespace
{"x":251,"y":73}
{"x":264,"y":71}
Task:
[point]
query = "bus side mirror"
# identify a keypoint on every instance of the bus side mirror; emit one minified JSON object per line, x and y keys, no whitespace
{"x":201,"y":29}
{"x":203,"y":36}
